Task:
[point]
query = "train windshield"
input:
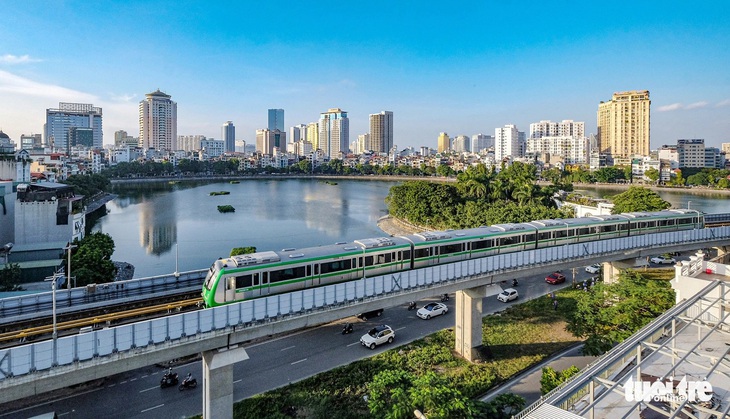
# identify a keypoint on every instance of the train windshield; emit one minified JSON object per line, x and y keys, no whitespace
{"x":210,"y":278}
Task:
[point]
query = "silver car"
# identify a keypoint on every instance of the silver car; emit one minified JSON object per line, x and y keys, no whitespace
{"x":377,"y":336}
{"x":432,"y":310}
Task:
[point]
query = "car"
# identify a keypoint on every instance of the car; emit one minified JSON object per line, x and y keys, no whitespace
{"x":593,"y":269}
{"x":663,"y":260}
{"x":432,"y":310}
{"x":555,"y":278}
{"x":507,"y":295}
{"x":370,"y":314}
{"x":377,"y":336}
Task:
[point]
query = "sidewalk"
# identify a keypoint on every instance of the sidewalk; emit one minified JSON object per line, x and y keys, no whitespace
{"x":527,"y":383}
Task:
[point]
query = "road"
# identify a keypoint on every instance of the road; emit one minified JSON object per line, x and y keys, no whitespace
{"x":272,"y":364}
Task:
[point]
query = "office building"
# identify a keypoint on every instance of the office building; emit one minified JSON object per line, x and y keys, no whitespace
{"x":121,"y":138}
{"x":444,"y":143}
{"x":212,"y":147}
{"x":381,"y":131}
{"x":480,"y":143}
{"x":228,"y":133}
{"x":276,"y":119}
{"x":691,"y":153}
{"x":158,"y":122}
{"x":31,"y":141}
{"x":295,"y":134}
{"x":623,"y":124}
{"x":507,"y":142}
{"x":72,"y":115}
{"x":267,"y":140}
{"x":334,"y":132}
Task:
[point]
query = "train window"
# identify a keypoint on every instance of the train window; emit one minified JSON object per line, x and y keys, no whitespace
{"x":316,"y":269}
{"x":244,"y":281}
{"x":309,"y":270}
{"x":528,"y":238}
{"x":450,"y":248}
{"x":338,"y":265}
{"x":584,"y":231}
{"x":423,"y":252}
{"x":481,"y":244}
{"x":406,"y":254}
{"x":651,"y":224}
{"x":544,"y":236}
{"x":384,"y":258}
{"x":560,"y":234}
{"x":608,"y":228}
{"x":368,"y":261}
{"x":684,"y":221}
{"x":623,"y":226}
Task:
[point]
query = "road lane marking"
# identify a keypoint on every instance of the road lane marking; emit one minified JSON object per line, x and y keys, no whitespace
{"x":296,"y":362}
{"x":286,"y":349}
{"x":152,"y":408}
{"x":148,"y":389}
{"x":238,"y":381}
{"x":355,"y":343}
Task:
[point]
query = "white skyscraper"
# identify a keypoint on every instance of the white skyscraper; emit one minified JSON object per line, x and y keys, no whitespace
{"x":228,"y":133}
{"x":566,"y":128}
{"x":334,"y":132}
{"x":158,"y":122}
{"x":481,"y":142}
{"x":506,"y":142}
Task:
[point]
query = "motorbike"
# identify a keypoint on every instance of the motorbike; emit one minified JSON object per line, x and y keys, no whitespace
{"x":515,"y":283}
{"x":444,"y":298}
{"x":188,"y":382}
{"x":347,"y":328}
{"x":411,"y":305}
{"x":169,"y":379}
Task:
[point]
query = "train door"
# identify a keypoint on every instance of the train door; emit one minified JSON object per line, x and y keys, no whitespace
{"x":230,"y":288}
{"x":256,"y":282}
{"x":315,"y":277}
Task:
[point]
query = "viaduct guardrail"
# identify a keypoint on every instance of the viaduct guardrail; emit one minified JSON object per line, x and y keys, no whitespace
{"x":36,"y":368}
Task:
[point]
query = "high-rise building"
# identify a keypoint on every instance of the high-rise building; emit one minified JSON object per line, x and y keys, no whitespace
{"x":267,"y":140}
{"x":566,"y":128}
{"x":276,"y":119}
{"x":69,"y":115}
{"x":691,"y":152}
{"x":313,"y":134}
{"x":190,"y":142}
{"x":481,"y":142}
{"x":228,"y":133}
{"x":158,"y":122}
{"x":506,"y":142}
{"x":444,"y":143}
{"x":381,"y":131}
{"x":461,"y":144}
{"x":623,"y":124}
{"x":300,"y":131}
{"x":28,"y":142}
{"x":362,"y":144}
{"x":334,"y":132}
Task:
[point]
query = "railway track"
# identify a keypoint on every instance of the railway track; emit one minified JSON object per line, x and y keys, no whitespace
{"x":19,"y":333}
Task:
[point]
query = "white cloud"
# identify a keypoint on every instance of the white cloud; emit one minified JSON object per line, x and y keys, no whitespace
{"x":696,"y":105}
{"x":723,"y":103}
{"x":10,"y":83}
{"x":668,"y":108}
{"x":15,"y":59}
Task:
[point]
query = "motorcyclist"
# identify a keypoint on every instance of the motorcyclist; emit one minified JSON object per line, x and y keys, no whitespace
{"x":514,"y":282}
{"x":188,"y":378}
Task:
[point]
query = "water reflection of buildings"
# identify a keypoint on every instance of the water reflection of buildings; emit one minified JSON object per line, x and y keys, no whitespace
{"x":157,"y":226}
{"x":325,"y":208}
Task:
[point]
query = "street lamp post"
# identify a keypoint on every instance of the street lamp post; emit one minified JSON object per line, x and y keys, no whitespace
{"x":5,"y":250}
{"x":363,"y":262}
{"x":68,"y":270}
{"x":688,"y":204}
{"x":177,"y":272}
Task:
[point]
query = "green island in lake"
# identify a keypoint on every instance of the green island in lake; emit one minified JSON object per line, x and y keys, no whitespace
{"x":226,"y":208}
{"x":219,"y":193}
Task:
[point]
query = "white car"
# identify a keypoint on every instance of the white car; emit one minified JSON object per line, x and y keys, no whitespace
{"x":662,"y":260}
{"x":593,"y":269}
{"x":377,"y":336}
{"x":508,"y":295}
{"x":432,"y":310}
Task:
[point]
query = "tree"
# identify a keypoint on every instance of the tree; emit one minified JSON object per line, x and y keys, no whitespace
{"x":637,"y":198}
{"x":610,"y":313}
{"x":243,"y":250}
{"x":503,"y":406}
{"x":10,"y":278}
{"x":552,"y":378}
{"x":91,"y":261}
{"x":608,"y":174}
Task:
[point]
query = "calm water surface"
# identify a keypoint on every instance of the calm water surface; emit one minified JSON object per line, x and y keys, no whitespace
{"x":151,"y":223}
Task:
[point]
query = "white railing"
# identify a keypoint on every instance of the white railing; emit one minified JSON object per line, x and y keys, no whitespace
{"x":25,"y":359}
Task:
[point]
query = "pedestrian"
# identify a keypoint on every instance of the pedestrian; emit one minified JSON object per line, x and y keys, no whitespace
{"x":555,"y":305}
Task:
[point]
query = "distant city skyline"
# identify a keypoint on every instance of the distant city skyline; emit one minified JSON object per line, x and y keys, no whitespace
{"x":505,"y":65}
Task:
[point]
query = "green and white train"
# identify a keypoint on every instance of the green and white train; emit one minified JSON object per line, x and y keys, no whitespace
{"x":250,"y":276}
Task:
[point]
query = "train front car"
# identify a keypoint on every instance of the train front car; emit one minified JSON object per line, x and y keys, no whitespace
{"x":209,"y":285}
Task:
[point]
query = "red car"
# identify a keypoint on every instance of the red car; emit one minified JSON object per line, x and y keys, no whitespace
{"x":555,"y":278}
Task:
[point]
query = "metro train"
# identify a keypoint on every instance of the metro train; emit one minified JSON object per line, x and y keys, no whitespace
{"x":255,"y":275}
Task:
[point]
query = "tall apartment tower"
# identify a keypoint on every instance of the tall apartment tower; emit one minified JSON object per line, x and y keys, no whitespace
{"x":228,"y":134}
{"x":59,"y":124}
{"x":313,"y":135}
{"x":381,"y":131}
{"x":276,"y":119}
{"x":158,"y":122}
{"x":480,"y":142}
{"x":444,"y":142}
{"x":623,"y":124}
{"x":507,"y":142}
{"x":566,"y":128}
{"x":334,"y":132}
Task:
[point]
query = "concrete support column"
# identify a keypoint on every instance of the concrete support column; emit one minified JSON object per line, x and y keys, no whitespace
{"x":611,"y":270}
{"x":218,"y":381}
{"x":469,"y":321}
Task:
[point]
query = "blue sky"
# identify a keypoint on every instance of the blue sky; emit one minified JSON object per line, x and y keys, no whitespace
{"x":463,"y":69}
